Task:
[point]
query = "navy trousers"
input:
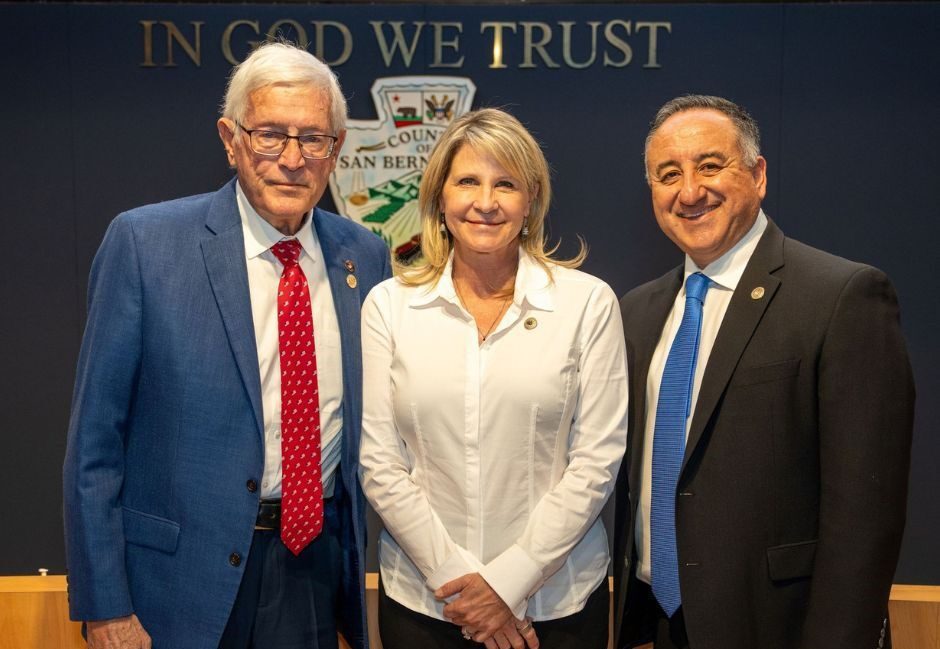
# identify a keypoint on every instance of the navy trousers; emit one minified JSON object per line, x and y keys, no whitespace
{"x":288,"y":602}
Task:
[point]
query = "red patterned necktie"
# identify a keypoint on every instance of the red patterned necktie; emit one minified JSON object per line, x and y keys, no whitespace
{"x":301,"y":488}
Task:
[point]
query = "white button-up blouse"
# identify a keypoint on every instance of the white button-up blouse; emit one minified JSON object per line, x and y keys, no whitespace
{"x":494,"y":458}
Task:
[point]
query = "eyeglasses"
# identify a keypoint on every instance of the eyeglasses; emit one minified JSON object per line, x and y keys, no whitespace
{"x":314,"y":146}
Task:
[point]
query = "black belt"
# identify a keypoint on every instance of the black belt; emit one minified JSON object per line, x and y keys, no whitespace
{"x":269,"y":514}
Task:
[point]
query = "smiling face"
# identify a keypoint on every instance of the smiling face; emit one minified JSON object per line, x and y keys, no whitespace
{"x":284,"y":188}
{"x":705,"y":197}
{"x":484,"y":205}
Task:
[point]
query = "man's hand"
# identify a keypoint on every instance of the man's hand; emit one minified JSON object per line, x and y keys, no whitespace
{"x":477,"y":608}
{"x":118,"y":633}
{"x":516,"y":634}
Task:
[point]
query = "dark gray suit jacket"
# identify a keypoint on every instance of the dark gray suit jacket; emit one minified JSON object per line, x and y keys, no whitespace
{"x":792,"y":496}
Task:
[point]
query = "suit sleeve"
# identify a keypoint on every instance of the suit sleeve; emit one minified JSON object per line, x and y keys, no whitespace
{"x":386,"y":263}
{"x":866,"y":405}
{"x":94,"y":461}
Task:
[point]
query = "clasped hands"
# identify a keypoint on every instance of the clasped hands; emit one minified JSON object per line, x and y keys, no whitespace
{"x":483,"y":616}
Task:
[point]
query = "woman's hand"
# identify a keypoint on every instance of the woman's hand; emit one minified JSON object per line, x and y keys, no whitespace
{"x":516,"y":634}
{"x":477,"y":606}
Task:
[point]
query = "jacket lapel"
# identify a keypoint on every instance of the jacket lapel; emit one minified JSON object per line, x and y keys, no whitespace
{"x":743,"y":315}
{"x":345,"y":297}
{"x":224,"y":255}
{"x":347,"y":302}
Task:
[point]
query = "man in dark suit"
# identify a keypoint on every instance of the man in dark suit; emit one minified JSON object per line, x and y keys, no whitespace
{"x":211,"y":496}
{"x":764,"y":491}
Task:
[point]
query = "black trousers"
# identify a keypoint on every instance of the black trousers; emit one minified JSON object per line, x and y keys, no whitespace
{"x":651,"y":623}
{"x":402,"y":628}
{"x":288,"y":602}
{"x":670,"y":632}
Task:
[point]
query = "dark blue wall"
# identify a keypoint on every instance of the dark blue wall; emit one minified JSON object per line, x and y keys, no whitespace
{"x":846,"y":94}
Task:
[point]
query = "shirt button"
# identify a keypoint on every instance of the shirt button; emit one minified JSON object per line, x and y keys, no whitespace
{"x":252,"y":486}
{"x":235,"y":559}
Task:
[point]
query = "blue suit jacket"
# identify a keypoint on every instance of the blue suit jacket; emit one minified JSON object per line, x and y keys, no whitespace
{"x":166,"y":425}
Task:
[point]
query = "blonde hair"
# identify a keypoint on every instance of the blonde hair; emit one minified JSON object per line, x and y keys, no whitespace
{"x":498,"y":134}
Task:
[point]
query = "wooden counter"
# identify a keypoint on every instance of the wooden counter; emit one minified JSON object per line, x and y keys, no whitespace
{"x":34,"y":614}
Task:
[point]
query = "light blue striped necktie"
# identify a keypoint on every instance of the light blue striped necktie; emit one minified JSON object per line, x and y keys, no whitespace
{"x":672,"y":411}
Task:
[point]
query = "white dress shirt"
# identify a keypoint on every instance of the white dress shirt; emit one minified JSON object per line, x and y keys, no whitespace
{"x":724,"y":273}
{"x":264,"y":275}
{"x":496,"y":457}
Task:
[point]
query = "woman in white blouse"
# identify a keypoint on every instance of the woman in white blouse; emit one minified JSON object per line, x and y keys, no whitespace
{"x":494,"y":414}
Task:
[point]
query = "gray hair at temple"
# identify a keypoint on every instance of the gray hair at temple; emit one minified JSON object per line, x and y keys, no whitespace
{"x":282,"y":64}
{"x":748,"y":132}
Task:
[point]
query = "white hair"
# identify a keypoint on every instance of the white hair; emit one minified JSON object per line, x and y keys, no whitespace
{"x":282,"y":64}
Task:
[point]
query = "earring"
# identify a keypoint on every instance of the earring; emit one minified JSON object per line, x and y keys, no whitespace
{"x":525,"y":227}
{"x":443,"y":226}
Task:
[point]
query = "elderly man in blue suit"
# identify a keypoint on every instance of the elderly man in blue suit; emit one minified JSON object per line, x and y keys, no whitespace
{"x":210,"y":481}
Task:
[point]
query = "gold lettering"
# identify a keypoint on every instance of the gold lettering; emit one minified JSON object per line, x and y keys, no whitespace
{"x":148,"y":43}
{"x":497,"y":40}
{"x":651,"y":61}
{"x":566,"y":44}
{"x":398,"y":41}
{"x":319,"y":27}
{"x":174,"y":34}
{"x":227,"y":38}
{"x":440,"y":44}
{"x":272,"y":32}
{"x":529,"y":45}
{"x":618,"y":43}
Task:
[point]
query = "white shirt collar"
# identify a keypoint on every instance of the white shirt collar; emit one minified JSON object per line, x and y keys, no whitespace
{"x":726,"y":271}
{"x":533,"y":285}
{"x":261,"y":235}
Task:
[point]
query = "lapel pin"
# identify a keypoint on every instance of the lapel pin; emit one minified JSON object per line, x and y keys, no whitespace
{"x":757,"y":293}
{"x":350,"y":266}
{"x":531,"y":323}
{"x":351,"y":281}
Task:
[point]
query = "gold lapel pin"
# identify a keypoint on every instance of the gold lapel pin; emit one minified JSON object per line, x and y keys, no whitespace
{"x":530,"y":323}
{"x":351,"y":281}
{"x":757,"y":293}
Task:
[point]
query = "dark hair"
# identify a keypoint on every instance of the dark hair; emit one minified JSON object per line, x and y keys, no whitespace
{"x":748,"y":132}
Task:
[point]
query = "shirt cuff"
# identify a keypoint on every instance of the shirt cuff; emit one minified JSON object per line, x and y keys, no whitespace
{"x":458,"y":564}
{"x":514,"y":576}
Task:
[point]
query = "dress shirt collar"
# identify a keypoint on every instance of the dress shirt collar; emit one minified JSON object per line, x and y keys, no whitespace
{"x":261,"y":235}
{"x":533,"y":285}
{"x":726,"y":271}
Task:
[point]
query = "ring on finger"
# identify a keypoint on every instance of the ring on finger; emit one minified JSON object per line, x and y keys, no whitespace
{"x":525,"y":627}
{"x":467,"y":634}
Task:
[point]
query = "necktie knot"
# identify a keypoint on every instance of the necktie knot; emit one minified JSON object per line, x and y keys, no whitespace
{"x":696,"y":286}
{"x":287,"y":251}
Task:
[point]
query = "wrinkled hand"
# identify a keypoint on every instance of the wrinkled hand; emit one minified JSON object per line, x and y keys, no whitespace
{"x":117,"y":633}
{"x":509,"y":637}
{"x":477,"y":606}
